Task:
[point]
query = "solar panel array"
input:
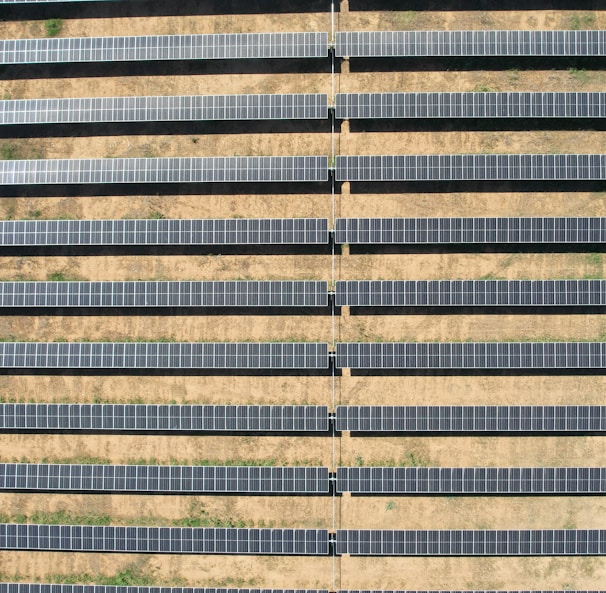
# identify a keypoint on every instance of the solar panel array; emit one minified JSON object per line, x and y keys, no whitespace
{"x":63,"y":588}
{"x":471,"y":480}
{"x":164,"y":478}
{"x":170,"y":108}
{"x":539,"y":542}
{"x":472,"y":355}
{"x":172,"y":540}
{"x":164,"y":47}
{"x":455,"y":105}
{"x":160,"y":355}
{"x":230,"y":231}
{"x":282,"y":293}
{"x":360,"y":44}
{"x":155,"y":417}
{"x":258,"y":169}
{"x":471,"y":418}
{"x":471,"y":230}
{"x":448,"y":293}
{"x":471,"y":167}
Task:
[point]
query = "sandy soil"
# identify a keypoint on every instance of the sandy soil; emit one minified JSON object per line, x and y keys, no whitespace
{"x":473,"y":204}
{"x":161,"y":449}
{"x":211,"y":267}
{"x":471,"y":265}
{"x":213,"y":571}
{"x":459,"y":512}
{"x":467,"y":390}
{"x":308,"y":512}
{"x":199,"y":328}
{"x":185,"y":206}
{"x":471,"y":573}
{"x":248,"y":389}
{"x":477,"y":19}
{"x":173,"y":25}
{"x":474,"y":451}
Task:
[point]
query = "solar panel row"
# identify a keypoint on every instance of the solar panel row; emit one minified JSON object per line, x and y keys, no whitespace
{"x":546,"y":542}
{"x":152,"y":417}
{"x":164,"y":47}
{"x":171,"y":108}
{"x":471,"y":418}
{"x":455,"y":105}
{"x":471,"y":167}
{"x":164,"y":478}
{"x":250,"y":231}
{"x":446,"y":293}
{"x":63,"y":588}
{"x":470,"y":230}
{"x":173,"y":540}
{"x":307,"y":293}
{"x":471,"y":480}
{"x":154,"y":355}
{"x":236,"y":231}
{"x":360,"y":44}
{"x":259,"y":169}
{"x":470,"y":355}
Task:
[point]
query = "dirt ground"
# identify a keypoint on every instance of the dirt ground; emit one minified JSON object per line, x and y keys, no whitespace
{"x":314,"y":512}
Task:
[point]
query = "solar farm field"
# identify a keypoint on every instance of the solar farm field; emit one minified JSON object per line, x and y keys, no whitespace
{"x":302,"y":296}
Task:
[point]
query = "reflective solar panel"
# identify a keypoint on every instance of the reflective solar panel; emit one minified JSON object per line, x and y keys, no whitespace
{"x":470,"y":230}
{"x":359,"y":44}
{"x":469,"y":105}
{"x":304,"y":293}
{"x":515,"y":542}
{"x":173,"y":540}
{"x":471,"y":293}
{"x":163,"y":355}
{"x":258,"y":169}
{"x":472,"y":355}
{"x":471,"y":167}
{"x":161,"y":417}
{"x":63,"y":588}
{"x":170,"y":108}
{"x":230,"y":231}
{"x":164,"y":47}
{"x":471,"y":480}
{"x":171,"y":479}
{"x":559,"y":419}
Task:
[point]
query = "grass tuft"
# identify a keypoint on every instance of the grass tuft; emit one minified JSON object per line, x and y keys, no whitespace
{"x":53,"y":27}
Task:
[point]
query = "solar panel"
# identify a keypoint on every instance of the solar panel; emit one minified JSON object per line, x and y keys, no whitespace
{"x":361,"y":44}
{"x":173,"y":540}
{"x":164,"y":478}
{"x":258,"y":169}
{"x":474,"y":293}
{"x":471,"y":480}
{"x":159,"y":417}
{"x":514,"y":542}
{"x":63,"y":588}
{"x":230,"y":231}
{"x":559,"y":419}
{"x":162,"y":355}
{"x":470,"y":230}
{"x":469,"y":105}
{"x":471,"y":167}
{"x":164,"y":47}
{"x":279,"y":293}
{"x":171,"y":108}
{"x":472,"y":355}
